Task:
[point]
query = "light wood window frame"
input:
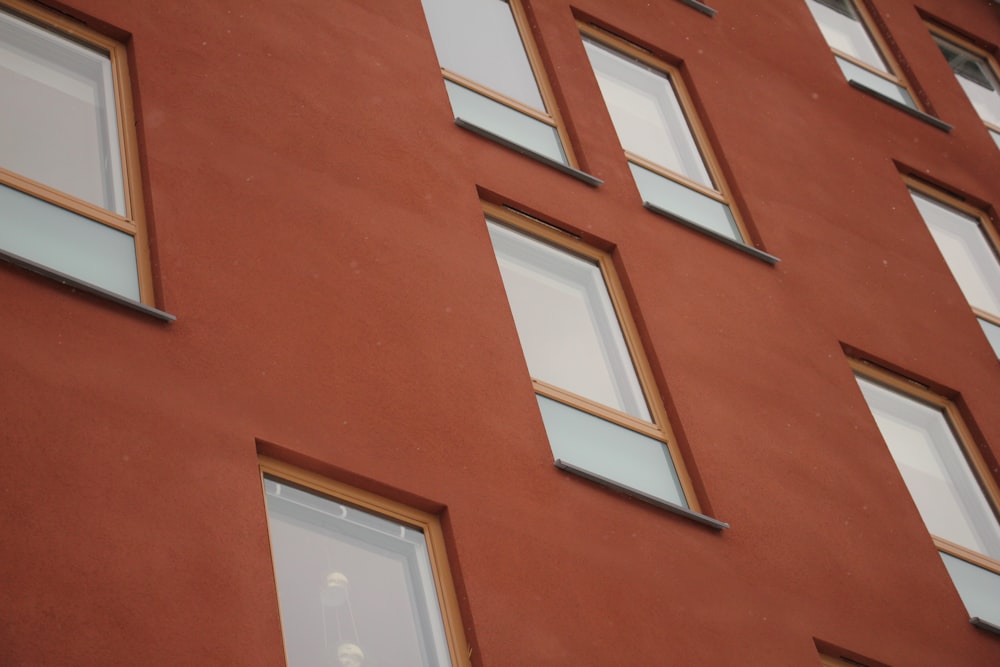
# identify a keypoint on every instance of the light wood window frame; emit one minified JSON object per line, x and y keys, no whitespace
{"x":133,"y":222}
{"x":427,"y":523}
{"x":964,"y":44}
{"x":721,"y":193}
{"x":659,"y":428}
{"x":963,"y":436}
{"x":550,"y":115}
{"x":985,"y":224}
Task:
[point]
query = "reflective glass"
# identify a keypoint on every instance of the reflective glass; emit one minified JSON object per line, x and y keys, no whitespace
{"x":854,"y":73}
{"x":967,"y":250}
{"x":351,"y":585}
{"x":978,"y":587}
{"x":58,"y":122}
{"x":479,"y":40}
{"x":646,"y":113}
{"x":69,"y":243}
{"x":689,"y":204}
{"x":611,"y":451}
{"x":976,"y":78}
{"x":566,"y":322}
{"x":992,"y":332}
{"x":846,"y":32}
{"x":933,"y":465}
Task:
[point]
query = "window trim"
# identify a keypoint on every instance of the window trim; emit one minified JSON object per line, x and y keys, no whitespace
{"x":722,"y":193}
{"x":964,"y":439}
{"x":939,"y":32}
{"x":429,"y":524}
{"x":986,"y":224}
{"x":133,"y":222}
{"x":659,"y":427}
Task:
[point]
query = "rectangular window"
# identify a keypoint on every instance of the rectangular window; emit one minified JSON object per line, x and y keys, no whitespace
{"x":976,"y":72}
{"x":666,"y":149}
{"x":948,"y":480}
{"x":593,"y":384}
{"x":70,"y":199}
{"x":971,"y":247}
{"x":493,"y":75}
{"x":858,"y":48}
{"x":361,"y":580}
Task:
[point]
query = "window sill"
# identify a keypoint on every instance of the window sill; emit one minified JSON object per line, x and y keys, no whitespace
{"x":750,"y":250}
{"x":985,"y":625}
{"x":83,"y":286}
{"x":639,"y":495}
{"x":566,"y":169}
{"x":927,"y":118}
{"x":701,"y":7}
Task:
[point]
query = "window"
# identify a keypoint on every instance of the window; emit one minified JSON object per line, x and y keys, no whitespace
{"x":593,"y":385}
{"x":976,"y":71}
{"x":858,"y":49}
{"x":665,"y":147}
{"x":493,"y":76}
{"x":969,"y":244}
{"x":70,"y":200}
{"x":948,"y":480}
{"x":360,"y":579}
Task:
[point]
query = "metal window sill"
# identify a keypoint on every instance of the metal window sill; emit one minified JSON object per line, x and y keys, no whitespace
{"x":640,"y":495}
{"x":916,"y":113}
{"x":592,"y":181}
{"x":739,"y":245}
{"x":701,"y":7}
{"x":84,"y":286}
{"x":985,"y":625}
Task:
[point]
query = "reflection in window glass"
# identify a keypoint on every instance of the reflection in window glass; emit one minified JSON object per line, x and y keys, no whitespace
{"x":354,"y":589}
{"x":976,"y":77}
{"x":844,"y":31}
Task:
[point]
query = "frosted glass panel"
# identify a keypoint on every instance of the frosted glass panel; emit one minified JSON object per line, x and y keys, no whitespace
{"x":646,"y":113}
{"x":854,"y":73}
{"x":351,"y":584}
{"x":992,"y":332}
{"x":967,"y":250}
{"x":506,"y":122}
{"x":67,"y":242}
{"x":843,"y":30}
{"x":479,"y":40}
{"x":611,"y":451}
{"x":979,"y":588}
{"x":566,"y":322}
{"x":685,"y":202}
{"x":57,"y":121}
{"x":976,"y":78}
{"x":934,"y":468}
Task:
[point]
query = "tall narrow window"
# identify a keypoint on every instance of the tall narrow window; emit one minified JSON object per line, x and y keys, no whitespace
{"x":862,"y":57}
{"x":593,"y":384}
{"x":665,"y":147}
{"x":361,"y":580}
{"x":948,"y":480}
{"x":976,"y":72}
{"x":69,"y":186}
{"x":493,"y":75}
{"x":969,"y":244}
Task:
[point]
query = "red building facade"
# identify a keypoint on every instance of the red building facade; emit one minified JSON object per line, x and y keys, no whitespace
{"x":476,"y":333}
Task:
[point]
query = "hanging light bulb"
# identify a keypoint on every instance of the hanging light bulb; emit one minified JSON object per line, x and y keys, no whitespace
{"x":336,"y":589}
{"x":350,"y":655}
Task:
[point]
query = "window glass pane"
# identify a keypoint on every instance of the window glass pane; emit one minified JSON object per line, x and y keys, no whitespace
{"x":976,"y":78}
{"x":935,"y":470}
{"x":992,"y":332}
{"x":646,"y":113}
{"x":846,"y":33}
{"x":686,"y":203}
{"x":351,"y":584}
{"x":866,"y":78}
{"x":69,"y":243}
{"x":966,"y":249}
{"x":978,"y":587}
{"x":566,"y":322}
{"x":57,"y":121}
{"x":479,"y":40}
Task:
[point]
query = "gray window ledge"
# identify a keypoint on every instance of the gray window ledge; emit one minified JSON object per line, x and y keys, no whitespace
{"x":985,"y":625}
{"x":84,"y":286}
{"x":916,"y":113}
{"x":640,"y":495}
{"x":750,"y":250}
{"x":700,"y":6}
{"x":544,"y":159}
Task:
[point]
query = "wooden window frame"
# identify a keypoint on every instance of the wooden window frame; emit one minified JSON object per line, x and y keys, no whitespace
{"x":659,"y":427}
{"x":985,"y":224}
{"x":133,"y":222}
{"x":722,"y":192}
{"x":964,"y":44}
{"x":427,"y":523}
{"x":963,"y":437}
